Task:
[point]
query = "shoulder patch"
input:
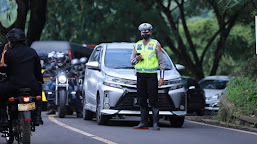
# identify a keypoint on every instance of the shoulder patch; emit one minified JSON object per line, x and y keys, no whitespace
{"x":160,"y":48}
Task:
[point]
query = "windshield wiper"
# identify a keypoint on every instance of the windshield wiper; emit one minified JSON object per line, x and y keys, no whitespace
{"x":123,"y":67}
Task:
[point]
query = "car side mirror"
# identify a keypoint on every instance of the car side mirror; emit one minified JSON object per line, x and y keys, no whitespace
{"x":179,"y":67}
{"x":191,"y":87}
{"x":93,"y":65}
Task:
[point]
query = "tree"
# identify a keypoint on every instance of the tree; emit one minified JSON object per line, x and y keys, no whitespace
{"x":36,"y":22}
{"x":196,"y":31}
{"x":177,"y":12}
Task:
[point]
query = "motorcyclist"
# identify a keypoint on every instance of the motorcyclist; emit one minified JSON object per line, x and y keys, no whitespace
{"x":23,"y":69}
{"x":59,"y":60}
{"x":51,"y":83}
{"x":75,"y":71}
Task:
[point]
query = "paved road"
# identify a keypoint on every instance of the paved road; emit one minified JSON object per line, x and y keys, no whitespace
{"x":78,"y":131}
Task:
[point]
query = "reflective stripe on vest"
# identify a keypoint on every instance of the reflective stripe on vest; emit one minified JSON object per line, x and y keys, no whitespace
{"x":150,"y":62}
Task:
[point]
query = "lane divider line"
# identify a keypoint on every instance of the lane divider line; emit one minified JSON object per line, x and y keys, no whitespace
{"x":51,"y":118}
{"x":248,"y":132}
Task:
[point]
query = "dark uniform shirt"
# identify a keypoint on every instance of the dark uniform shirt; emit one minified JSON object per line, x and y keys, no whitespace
{"x":23,"y":67}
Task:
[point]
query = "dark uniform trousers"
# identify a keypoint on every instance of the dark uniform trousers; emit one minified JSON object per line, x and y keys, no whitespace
{"x":147,"y":88}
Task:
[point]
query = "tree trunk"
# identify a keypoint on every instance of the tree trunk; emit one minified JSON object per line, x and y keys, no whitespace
{"x":23,"y":7}
{"x":37,"y":20}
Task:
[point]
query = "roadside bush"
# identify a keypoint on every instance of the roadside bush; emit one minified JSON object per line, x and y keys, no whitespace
{"x":242,"y":91}
{"x":249,"y":69}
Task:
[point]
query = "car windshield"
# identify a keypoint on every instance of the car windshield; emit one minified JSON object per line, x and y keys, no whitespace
{"x":120,"y":59}
{"x":213,"y":84}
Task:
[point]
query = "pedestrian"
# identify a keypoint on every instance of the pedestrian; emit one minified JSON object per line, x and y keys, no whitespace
{"x":147,"y":56}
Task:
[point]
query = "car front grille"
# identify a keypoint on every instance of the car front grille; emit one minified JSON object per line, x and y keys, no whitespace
{"x":126,"y":102}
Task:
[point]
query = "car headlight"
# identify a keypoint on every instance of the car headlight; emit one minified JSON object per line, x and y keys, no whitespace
{"x":120,"y":80}
{"x":112,"y":85}
{"x":215,"y":97}
{"x":62,"y":78}
{"x":175,"y":81}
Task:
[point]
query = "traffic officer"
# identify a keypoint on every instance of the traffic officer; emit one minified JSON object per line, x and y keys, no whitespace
{"x":147,"y":56}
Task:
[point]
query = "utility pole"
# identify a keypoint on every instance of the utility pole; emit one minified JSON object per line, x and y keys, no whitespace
{"x":256,"y":33}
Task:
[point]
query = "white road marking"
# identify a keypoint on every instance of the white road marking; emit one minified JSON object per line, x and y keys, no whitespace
{"x":253,"y":133}
{"x":51,"y":118}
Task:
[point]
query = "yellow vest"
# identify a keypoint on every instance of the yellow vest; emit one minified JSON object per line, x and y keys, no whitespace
{"x":150,"y":62}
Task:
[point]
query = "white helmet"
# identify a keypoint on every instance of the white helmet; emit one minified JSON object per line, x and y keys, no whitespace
{"x":60,"y":57}
{"x":83,"y":60}
{"x":75,"y":61}
{"x":51,"y":56}
{"x":145,"y":27}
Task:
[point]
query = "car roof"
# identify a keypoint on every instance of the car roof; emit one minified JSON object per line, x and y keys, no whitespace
{"x":49,"y":46}
{"x":217,"y":77}
{"x":118,"y":45}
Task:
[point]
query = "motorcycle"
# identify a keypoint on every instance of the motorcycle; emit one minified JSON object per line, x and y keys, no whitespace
{"x":63,"y":91}
{"x":21,"y":111}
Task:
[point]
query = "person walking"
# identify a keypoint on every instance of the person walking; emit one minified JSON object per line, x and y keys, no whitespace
{"x":147,"y":56}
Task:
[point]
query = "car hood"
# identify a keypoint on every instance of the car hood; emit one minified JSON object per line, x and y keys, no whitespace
{"x":131,"y":73}
{"x":212,"y":92}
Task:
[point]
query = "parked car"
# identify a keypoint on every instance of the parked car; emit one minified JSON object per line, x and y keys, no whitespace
{"x":110,"y":86}
{"x":195,"y":96}
{"x":213,"y":86}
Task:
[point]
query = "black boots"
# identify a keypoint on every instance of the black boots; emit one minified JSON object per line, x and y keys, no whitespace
{"x":3,"y":118}
{"x":144,"y":119}
{"x":51,"y":107}
{"x":155,"y":118}
{"x":38,"y":119}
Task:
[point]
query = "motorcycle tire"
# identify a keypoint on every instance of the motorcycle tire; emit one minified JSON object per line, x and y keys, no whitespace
{"x":24,"y":135}
{"x":62,"y":103}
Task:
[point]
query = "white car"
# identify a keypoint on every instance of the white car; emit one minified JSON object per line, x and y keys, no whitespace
{"x":110,"y":86}
{"x":213,"y":87}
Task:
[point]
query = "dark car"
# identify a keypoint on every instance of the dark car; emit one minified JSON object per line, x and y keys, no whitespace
{"x":195,"y":96}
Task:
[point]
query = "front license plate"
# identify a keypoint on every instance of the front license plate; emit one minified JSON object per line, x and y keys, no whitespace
{"x":26,"y":107}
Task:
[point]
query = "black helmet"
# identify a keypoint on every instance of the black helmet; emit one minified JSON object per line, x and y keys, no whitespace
{"x":16,"y":35}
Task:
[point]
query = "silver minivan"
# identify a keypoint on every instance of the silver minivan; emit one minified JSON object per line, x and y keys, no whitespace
{"x":110,"y":86}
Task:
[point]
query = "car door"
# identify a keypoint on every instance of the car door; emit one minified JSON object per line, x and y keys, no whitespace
{"x":92,"y":77}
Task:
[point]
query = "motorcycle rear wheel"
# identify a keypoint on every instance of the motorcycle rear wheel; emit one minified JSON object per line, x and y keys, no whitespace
{"x":24,"y":135}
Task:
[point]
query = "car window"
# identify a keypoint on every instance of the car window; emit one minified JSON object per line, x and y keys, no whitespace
{"x":95,"y":56}
{"x":213,"y":84}
{"x":120,"y":59}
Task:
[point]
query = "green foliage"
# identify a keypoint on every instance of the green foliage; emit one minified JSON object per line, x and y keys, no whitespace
{"x":98,"y":21}
{"x":242,"y":91}
{"x":249,"y":69}
{"x":94,"y":22}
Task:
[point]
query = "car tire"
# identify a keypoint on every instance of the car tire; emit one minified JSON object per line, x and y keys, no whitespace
{"x":177,"y":121}
{"x":101,"y":119}
{"x":200,"y":112}
{"x":87,"y":114}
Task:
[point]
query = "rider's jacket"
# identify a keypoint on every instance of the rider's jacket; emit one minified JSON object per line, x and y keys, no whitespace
{"x":23,"y":67}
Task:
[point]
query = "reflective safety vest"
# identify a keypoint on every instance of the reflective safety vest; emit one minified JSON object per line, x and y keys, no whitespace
{"x":150,"y":62}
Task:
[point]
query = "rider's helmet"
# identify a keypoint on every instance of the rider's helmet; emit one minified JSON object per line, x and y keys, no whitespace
{"x":60,"y":58}
{"x":83,"y":60}
{"x":15,"y":35}
{"x":51,"y":57}
{"x":75,"y":61}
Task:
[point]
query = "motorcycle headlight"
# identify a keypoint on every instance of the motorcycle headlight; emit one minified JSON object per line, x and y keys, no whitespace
{"x":62,"y":78}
